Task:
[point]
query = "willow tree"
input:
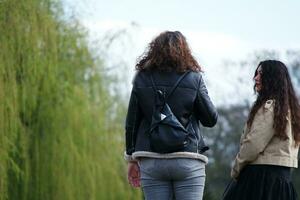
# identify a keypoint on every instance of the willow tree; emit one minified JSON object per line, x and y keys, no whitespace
{"x":57,"y":134}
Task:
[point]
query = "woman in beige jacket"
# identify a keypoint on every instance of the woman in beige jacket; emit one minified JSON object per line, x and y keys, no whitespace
{"x":270,"y":141}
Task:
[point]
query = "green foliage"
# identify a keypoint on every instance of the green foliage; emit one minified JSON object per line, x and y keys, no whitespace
{"x":57,"y":134}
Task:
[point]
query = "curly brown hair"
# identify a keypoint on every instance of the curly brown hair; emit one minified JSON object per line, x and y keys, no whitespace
{"x":169,"y":51}
{"x":277,"y":85}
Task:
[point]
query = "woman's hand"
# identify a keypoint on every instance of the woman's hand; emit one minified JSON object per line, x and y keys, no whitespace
{"x":133,"y":174}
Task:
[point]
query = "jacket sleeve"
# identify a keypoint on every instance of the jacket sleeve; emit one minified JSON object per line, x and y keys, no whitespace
{"x":133,"y":120}
{"x":255,"y":141}
{"x":205,"y":110}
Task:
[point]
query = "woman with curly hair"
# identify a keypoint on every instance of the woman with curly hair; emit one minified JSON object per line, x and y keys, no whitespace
{"x":168,"y":70}
{"x":270,"y":141}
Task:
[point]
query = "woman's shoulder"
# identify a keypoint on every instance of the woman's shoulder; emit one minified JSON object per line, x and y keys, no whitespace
{"x":195,"y":77}
{"x":139,"y":76}
{"x":269,"y":104}
{"x":196,"y":74}
{"x":142,"y":78}
{"x":266,"y":109}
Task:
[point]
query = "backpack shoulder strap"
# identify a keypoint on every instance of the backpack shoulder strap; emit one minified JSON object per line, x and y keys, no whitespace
{"x":153,"y":83}
{"x":176,"y":84}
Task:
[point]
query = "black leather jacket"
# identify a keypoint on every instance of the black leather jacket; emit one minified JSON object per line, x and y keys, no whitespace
{"x":189,"y":98}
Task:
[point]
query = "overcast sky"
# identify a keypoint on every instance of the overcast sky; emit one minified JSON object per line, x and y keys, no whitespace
{"x":215,"y":30}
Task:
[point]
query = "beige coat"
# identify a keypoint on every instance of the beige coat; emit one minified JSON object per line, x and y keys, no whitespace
{"x":258,"y":144}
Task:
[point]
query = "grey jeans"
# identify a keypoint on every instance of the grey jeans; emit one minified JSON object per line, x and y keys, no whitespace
{"x":176,"y":178}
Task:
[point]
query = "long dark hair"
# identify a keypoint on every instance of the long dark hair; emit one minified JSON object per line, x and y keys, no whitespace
{"x":276,"y":84}
{"x":167,"y":52}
